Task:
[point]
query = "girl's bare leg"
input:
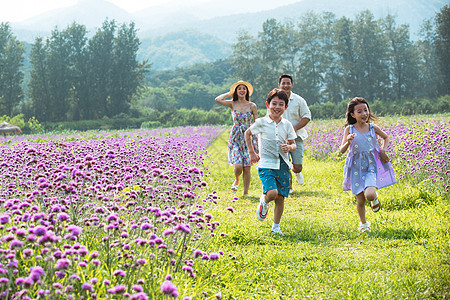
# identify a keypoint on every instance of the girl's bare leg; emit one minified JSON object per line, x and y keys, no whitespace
{"x":361,"y":207}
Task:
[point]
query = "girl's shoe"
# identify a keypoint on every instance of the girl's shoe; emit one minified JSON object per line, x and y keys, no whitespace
{"x":234,"y":188}
{"x":364,"y":227}
{"x":376,"y":205}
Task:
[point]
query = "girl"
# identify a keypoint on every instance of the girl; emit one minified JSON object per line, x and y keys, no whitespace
{"x":367,"y":166}
{"x":242,"y":110}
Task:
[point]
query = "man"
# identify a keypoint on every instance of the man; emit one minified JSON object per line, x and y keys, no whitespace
{"x":299,"y":115}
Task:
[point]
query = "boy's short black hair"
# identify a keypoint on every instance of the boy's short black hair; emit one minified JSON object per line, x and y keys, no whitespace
{"x":277,"y":93}
{"x":285,"y":76}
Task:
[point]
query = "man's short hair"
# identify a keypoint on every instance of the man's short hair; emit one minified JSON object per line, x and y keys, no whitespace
{"x":285,"y":76}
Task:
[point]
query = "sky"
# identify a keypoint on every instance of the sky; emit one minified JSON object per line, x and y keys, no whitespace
{"x":19,"y":10}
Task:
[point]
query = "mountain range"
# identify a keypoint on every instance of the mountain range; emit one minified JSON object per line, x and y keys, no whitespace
{"x":176,"y":34}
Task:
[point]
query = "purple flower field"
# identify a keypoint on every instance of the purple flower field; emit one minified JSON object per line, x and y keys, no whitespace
{"x":419,"y":147}
{"x":96,"y":215}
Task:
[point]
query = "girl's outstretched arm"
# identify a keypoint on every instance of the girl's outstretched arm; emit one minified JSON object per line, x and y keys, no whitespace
{"x":385,"y":137}
{"x":221,"y":100}
{"x":346,"y":139}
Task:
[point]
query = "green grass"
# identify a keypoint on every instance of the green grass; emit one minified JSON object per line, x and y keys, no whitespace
{"x":322,"y":254}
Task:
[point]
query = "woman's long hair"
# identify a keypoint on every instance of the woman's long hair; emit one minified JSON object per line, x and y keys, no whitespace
{"x":235,"y":95}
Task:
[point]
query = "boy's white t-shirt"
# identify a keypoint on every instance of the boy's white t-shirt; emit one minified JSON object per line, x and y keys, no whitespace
{"x":270,"y":136}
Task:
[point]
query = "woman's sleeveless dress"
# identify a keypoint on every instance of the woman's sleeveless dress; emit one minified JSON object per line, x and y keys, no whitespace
{"x":237,"y":149}
{"x":363,"y":166}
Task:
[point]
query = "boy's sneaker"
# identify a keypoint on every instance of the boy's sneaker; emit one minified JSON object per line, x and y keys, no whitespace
{"x":299,"y":177}
{"x":276,"y":230}
{"x":364,"y":227}
{"x":263,"y":208}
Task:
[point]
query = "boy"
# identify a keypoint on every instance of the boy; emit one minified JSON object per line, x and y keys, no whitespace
{"x":276,"y":139}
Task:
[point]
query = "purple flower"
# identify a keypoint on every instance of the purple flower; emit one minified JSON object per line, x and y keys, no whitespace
{"x":40,"y":230}
{"x":36,"y":273}
{"x":62,"y":263}
{"x":63,"y":217}
{"x":15,"y":244}
{"x":168,"y":231}
{"x":231,"y":209}
{"x":214,"y":256}
{"x":119,"y":273}
{"x":183,"y":227}
{"x":87,"y":286}
{"x":75,"y":276}
{"x":112,"y":218}
{"x":137,"y":287}
{"x":146,"y":226}
{"x":4,"y":219}
{"x":139,"y":296}
{"x":168,"y":288}
{"x":74,"y":230}
{"x":118,"y":289}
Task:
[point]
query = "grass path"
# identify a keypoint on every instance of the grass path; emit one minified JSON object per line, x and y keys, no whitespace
{"x":322,"y":255}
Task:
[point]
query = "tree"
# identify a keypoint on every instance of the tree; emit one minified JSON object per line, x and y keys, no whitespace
{"x":128,"y":73}
{"x":345,"y":56}
{"x":11,"y":77}
{"x":442,"y":43}
{"x":371,"y":58}
{"x":403,"y":59}
{"x":270,"y":51}
{"x":312,"y":59}
{"x":77,"y":71}
{"x":244,"y":60}
{"x":100,"y":61}
{"x":429,"y":73}
{"x":39,"y":82}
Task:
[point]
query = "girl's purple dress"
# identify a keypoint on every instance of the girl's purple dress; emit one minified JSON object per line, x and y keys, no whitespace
{"x":363,"y":166}
{"x":237,"y":149}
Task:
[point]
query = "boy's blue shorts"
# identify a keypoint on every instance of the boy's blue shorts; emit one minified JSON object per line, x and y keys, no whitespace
{"x":276,"y":179}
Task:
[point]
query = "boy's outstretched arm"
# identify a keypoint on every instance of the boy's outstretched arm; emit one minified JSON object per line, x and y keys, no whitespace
{"x":254,"y":157}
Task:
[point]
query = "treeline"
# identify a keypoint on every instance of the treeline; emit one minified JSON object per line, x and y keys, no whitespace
{"x":72,"y":77}
{"x":330,"y":59}
{"x":99,"y":80}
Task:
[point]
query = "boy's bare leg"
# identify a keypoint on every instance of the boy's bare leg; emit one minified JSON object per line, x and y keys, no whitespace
{"x":279,"y":208}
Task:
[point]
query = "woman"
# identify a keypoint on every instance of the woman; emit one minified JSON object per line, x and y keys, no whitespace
{"x":244,"y":112}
